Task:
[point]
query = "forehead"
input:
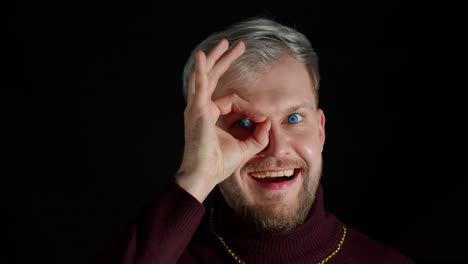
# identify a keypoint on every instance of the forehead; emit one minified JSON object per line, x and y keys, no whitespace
{"x":287,"y":82}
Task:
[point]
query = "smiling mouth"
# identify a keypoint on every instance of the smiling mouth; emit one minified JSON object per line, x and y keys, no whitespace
{"x":274,"y":176}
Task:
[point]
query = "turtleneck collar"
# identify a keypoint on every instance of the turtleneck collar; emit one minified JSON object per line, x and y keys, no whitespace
{"x":317,"y":236}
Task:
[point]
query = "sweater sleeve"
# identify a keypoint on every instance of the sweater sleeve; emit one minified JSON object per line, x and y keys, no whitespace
{"x":160,"y":233}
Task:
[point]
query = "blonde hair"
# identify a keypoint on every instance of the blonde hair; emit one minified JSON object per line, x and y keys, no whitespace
{"x":266,"y":41}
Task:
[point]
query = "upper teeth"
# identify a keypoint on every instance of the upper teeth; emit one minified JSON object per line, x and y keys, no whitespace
{"x":263,"y":174}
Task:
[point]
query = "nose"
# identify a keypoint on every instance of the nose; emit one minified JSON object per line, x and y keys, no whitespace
{"x":278,"y":145}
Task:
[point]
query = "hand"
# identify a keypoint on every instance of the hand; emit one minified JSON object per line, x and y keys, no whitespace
{"x":211,"y":154}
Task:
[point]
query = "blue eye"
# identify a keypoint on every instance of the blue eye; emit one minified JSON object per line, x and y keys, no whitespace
{"x":244,"y":123}
{"x":294,"y":118}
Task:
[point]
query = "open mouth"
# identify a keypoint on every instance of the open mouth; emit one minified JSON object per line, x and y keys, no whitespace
{"x":274,"y":176}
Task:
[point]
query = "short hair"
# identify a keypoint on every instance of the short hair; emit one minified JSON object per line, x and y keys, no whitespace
{"x":266,"y":42}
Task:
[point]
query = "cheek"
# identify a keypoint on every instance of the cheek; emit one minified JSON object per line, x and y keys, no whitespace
{"x":308,"y":146}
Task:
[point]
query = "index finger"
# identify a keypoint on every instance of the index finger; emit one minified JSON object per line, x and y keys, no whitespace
{"x":234,"y":103}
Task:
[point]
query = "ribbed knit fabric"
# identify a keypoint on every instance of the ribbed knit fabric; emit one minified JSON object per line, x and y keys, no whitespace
{"x":174,"y":228}
{"x":161,"y":231}
{"x":311,"y":241}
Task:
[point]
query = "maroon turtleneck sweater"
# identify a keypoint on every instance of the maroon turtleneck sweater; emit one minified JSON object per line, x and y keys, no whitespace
{"x":175,"y":228}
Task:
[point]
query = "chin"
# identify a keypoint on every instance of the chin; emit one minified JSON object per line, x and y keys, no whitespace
{"x":277,"y":212}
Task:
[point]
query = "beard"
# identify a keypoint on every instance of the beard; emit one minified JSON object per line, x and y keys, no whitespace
{"x":271,"y":213}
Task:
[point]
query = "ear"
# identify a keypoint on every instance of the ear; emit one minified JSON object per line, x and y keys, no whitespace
{"x":321,"y":125}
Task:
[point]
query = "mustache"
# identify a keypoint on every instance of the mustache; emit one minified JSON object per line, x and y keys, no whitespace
{"x":269,"y":162}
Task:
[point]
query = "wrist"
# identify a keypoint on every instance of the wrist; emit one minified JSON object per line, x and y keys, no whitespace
{"x":195,"y":185}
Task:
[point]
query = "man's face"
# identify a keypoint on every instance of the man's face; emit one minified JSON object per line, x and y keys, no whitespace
{"x":262,"y":190}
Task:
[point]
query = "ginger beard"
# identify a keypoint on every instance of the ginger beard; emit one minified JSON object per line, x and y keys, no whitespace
{"x":272,"y":213}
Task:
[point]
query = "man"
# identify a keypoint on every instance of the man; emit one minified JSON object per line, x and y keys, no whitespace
{"x":248,"y":189}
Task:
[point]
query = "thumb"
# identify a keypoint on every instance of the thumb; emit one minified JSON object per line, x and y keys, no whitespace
{"x":258,"y":140}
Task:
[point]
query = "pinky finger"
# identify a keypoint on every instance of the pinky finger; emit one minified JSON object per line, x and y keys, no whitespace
{"x":191,"y":88}
{"x":201,"y":80}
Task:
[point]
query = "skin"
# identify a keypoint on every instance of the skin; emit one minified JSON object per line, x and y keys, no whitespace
{"x":217,"y":151}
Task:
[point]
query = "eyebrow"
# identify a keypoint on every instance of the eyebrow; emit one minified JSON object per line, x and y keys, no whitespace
{"x":295,"y":108}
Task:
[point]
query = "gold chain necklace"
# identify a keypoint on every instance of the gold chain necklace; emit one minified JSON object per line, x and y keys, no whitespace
{"x":240,"y":261}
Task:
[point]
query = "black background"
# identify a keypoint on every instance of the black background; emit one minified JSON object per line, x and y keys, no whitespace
{"x":97,"y":118}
